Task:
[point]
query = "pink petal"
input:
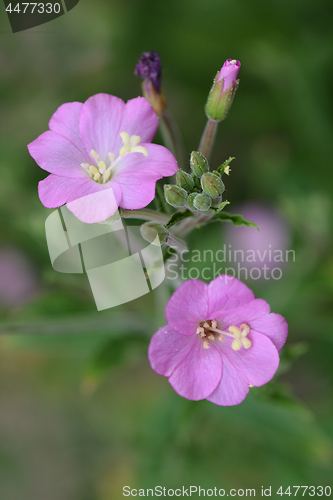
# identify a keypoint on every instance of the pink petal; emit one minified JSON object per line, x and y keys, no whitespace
{"x":256,"y":366}
{"x":98,"y":206}
{"x":167,"y":349}
{"x":55,"y":191}
{"x":226,"y":292}
{"x":57,"y":155}
{"x":257,"y":315}
{"x":199,"y":373}
{"x":137,"y":174}
{"x":139,"y":118}
{"x":193,"y":371}
{"x":187,"y":307}
{"x":274,"y":326}
{"x":99,"y":124}
{"x":232,"y":389}
{"x":65,"y":121}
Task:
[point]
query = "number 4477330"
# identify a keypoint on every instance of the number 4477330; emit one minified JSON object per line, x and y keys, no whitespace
{"x":32,"y":7}
{"x":312,"y":491}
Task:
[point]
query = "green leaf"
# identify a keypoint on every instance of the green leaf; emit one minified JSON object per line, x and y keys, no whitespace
{"x":177,"y":217}
{"x":235,"y":219}
{"x":218,"y":209}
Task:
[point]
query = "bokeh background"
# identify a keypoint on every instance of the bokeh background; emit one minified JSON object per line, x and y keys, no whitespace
{"x":81,"y":412}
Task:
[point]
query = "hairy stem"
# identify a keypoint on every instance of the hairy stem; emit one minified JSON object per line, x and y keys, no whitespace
{"x":207,"y":139}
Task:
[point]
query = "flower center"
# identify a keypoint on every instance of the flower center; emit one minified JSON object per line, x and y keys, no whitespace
{"x":208,"y":331}
{"x":101,"y":171}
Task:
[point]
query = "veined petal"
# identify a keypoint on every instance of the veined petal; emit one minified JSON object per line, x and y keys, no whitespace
{"x":199,"y":373}
{"x":187,"y":307}
{"x":256,"y":365}
{"x":167,"y":349}
{"x":57,"y":155}
{"x":65,"y":121}
{"x":55,"y":191}
{"x":232,"y":388}
{"x":227,"y":292}
{"x":97,"y":206}
{"x":137,"y":174}
{"x":138,"y":118}
{"x":193,"y":371}
{"x":99,"y":123}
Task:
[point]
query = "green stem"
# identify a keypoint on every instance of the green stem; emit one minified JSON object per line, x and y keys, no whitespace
{"x":207,"y":139}
{"x":187,"y":225}
{"x":145,"y":214}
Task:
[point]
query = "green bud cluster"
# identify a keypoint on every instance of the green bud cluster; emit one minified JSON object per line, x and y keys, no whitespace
{"x":201,"y":190}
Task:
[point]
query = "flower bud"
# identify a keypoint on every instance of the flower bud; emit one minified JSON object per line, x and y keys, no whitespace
{"x":149,"y":231}
{"x":212,"y":184}
{"x":223,"y":90}
{"x":185,"y":180}
{"x":198,"y":163}
{"x":190,"y":200}
{"x":202,"y":202}
{"x":149,"y":67}
{"x":175,"y":195}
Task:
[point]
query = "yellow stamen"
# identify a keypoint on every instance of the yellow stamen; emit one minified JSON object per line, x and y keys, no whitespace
{"x":94,"y":155}
{"x":107,"y":175}
{"x":97,"y":177}
{"x":227,"y":170}
{"x":93,"y":170}
{"x":111,"y":157}
{"x":206,"y":344}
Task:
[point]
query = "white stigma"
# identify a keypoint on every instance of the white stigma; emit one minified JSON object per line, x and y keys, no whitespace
{"x":209,"y":331}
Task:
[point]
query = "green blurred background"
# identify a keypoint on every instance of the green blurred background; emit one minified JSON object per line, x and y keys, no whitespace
{"x":82,"y":413}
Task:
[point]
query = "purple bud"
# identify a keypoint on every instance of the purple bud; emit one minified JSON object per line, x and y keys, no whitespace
{"x":150,"y":67}
{"x":229,"y":72}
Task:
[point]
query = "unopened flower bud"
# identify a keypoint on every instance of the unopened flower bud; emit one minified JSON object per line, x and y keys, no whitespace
{"x":198,"y":163}
{"x":190,"y":200}
{"x":212,"y":184}
{"x":149,"y":231}
{"x":175,"y":195}
{"x":202,"y":202}
{"x":185,"y":180}
{"x":149,"y":67}
{"x":223,"y":90}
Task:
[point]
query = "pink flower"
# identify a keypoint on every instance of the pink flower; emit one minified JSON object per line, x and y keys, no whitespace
{"x":100,"y":157}
{"x":218,"y":342}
